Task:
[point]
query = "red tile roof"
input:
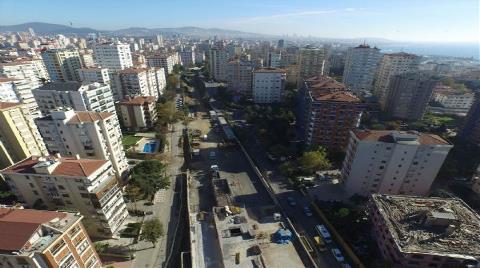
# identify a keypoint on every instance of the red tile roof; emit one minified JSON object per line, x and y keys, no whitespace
{"x":67,"y":167}
{"x":18,"y":225}
{"x":5,"y":79}
{"x":140,"y":100}
{"x":8,"y":105}
{"x":324,"y":88}
{"x":270,"y":70}
{"x":385,"y":136}
{"x":86,"y":116}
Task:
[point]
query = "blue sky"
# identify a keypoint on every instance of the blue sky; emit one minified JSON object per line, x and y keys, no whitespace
{"x":402,"y":20}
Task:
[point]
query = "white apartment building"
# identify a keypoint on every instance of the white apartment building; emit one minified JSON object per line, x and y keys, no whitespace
{"x":199,"y":57}
{"x":391,"y":65}
{"x":187,"y":57}
{"x":452,"y":101}
{"x":163,"y":60}
{"x":268,"y":85}
{"x":114,"y":56}
{"x":217,"y":61}
{"x":74,"y":184}
{"x":87,"y":134}
{"x":239,"y":75}
{"x":142,"y":82}
{"x":274,"y":59}
{"x":392,"y":162}
{"x":87,"y":60}
{"x":87,"y":97}
{"x":360,"y":66}
{"x":311,"y":62}
{"x":62,"y":64}
{"x":7,"y":90}
{"x":94,"y":75}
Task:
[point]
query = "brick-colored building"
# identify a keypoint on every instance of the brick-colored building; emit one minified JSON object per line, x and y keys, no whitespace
{"x":138,"y":113}
{"x":414,"y":232}
{"x":328,"y":112}
{"x":38,"y":238}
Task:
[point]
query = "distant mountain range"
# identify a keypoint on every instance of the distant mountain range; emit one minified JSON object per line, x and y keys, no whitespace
{"x":49,"y":28}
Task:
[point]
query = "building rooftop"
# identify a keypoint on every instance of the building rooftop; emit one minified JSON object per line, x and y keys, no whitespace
{"x":434,"y":226}
{"x":5,"y":79}
{"x":56,"y":166}
{"x":87,"y":116}
{"x":9,"y":105}
{"x":324,"y":88}
{"x":269,"y":70}
{"x":402,"y":54}
{"x":140,"y":100}
{"x":18,"y":226}
{"x":133,"y":70}
{"x":401,"y":137}
{"x":70,"y":86}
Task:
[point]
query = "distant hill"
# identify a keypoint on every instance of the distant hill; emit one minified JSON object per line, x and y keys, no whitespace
{"x":49,"y":28}
{"x":46,"y":28}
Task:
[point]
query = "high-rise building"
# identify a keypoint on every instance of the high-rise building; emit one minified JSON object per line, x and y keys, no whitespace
{"x":19,"y":137}
{"x":274,"y":59}
{"x":199,"y":57}
{"x":360,"y":66}
{"x":142,"y":82}
{"x":425,"y":231}
{"x":392,"y":162}
{"x":268,"y":85}
{"x":408,"y":95}
{"x":281,"y":44}
{"x":159,"y":39}
{"x":217,"y":62}
{"x":161,"y":60}
{"x":87,"y":60}
{"x":94,"y":75}
{"x":239,"y":76}
{"x":114,"y":56}
{"x":7,"y":90}
{"x":87,"y":97}
{"x":84,"y":185}
{"x":39,"y":238}
{"x":451,"y":101}
{"x":328,"y":112}
{"x":87,"y":134}
{"x":391,"y":65}
{"x":311,"y":62}
{"x":187,"y":57}
{"x":62,"y":64}
{"x":137,"y":113}
{"x":470,"y":131}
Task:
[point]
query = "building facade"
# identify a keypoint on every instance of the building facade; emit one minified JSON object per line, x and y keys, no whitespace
{"x":392,"y":162}
{"x":470,"y":131}
{"x":84,"y":185}
{"x":87,"y":134}
{"x":311,"y":62}
{"x":408,"y":95}
{"x":94,"y":75}
{"x":360,"y":67}
{"x":114,"y":56}
{"x":217,"y":63}
{"x":62,"y":64}
{"x":139,"y":113}
{"x":268,"y":85}
{"x":391,"y":65}
{"x":38,"y":238}
{"x":161,"y":60}
{"x":142,"y":82}
{"x":187,"y":57}
{"x":19,"y":137}
{"x":328,"y":112}
{"x":451,"y":101}
{"x":414,"y":232}
{"x":239,"y":76}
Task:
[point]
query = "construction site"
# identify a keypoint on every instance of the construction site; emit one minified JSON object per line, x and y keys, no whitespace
{"x":428,"y":228}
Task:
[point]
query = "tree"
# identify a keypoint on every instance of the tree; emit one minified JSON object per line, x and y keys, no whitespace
{"x":312,"y":161}
{"x":152,"y":230}
{"x":150,"y":176}
{"x":133,"y":193}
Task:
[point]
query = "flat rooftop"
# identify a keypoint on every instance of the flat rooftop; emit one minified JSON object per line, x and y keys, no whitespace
{"x":433,"y":226}
{"x":69,"y":86}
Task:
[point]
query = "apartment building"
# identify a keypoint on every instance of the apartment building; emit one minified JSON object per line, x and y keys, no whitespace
{"x":274,"y":59}
{"x":217,"y":63}
{"x":161,"y":60}
{"x":62,"y":64}
{"x":268,"y":85}
{"x":139,"y":113}
{"x":391,"y":65}
{"x":87,"y":97}
{"x":84,"y":185}
{"x":328,"y":112}
{"x":94,"y":75}
{"x":19,"y":137}
{"x":239,"y":75}
{"x":142,"y":82}
{"x":451,"y":101}
{"x":114,"y":56}
{"x":408,"y":95}
{"x":39,"y":238}
{"x":187,"y":57}
{"x":470,"y":131}
{"x":87,"y":134}
{"x":7,"y":90}
{"x":311,"y":62}
{"x":392,"y":162}
{"x":414,"y":232}
{"x":360,"y":67}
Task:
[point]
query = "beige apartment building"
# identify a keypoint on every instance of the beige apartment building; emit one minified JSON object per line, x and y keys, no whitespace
{"x":139,"y":113}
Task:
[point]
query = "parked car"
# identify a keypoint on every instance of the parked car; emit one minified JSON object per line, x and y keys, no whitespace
{"x":291,"y":201}
{"x":307,"y":211}
{"x":338,"y":255}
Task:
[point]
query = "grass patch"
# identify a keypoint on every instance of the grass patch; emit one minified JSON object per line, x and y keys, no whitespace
{"x":129,"y":140}
{"x":437,"y":120}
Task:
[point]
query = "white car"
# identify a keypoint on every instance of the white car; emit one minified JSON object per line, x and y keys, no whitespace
{"x":338,"y":255}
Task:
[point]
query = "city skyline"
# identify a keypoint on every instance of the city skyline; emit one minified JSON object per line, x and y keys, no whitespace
{"x":449,"y":21}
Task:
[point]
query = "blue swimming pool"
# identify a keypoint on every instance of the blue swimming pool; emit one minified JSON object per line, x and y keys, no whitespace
{"x":150,"y":147}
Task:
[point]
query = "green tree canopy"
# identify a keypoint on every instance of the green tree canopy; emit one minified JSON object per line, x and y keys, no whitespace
{"x":152,"y":230}
{"x":149,"y":176}
{"x":312,"y":161}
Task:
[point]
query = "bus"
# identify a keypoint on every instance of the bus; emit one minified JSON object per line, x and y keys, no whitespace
{"x":322,"y":231}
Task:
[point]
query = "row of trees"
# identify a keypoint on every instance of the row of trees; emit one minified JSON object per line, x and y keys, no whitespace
{"x":147,"y":178}
{"x":307,"y":164}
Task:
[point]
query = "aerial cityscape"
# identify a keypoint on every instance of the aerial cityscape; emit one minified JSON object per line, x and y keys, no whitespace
{"x":181,"y":134}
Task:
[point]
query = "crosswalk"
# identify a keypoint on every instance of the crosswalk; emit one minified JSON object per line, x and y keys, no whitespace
{"x":159,"y":196}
